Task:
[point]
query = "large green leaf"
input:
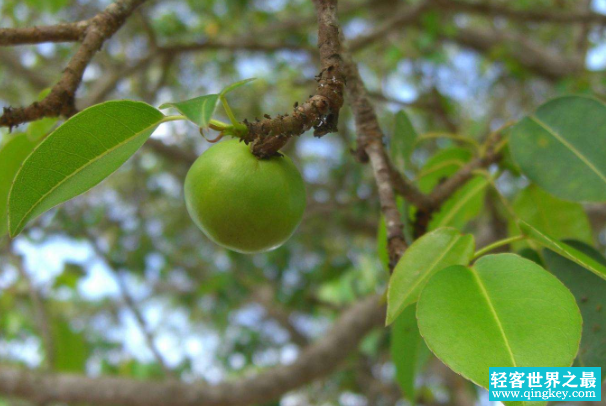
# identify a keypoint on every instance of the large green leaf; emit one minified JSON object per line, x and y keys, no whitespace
{"x":562,"y":147}
{"x":463,"y":206}
{"x":505,"y":311}
{"x":12,"y":155}
{"x":402,"y":141}
{"x":408,"y":351}
{"x":563,"y":249}
{"x":198,"y":110}
{"x":426,"y":256}
{"x":559,"y":218}
{"x":590,"y":293}
{"x":78,"y":155}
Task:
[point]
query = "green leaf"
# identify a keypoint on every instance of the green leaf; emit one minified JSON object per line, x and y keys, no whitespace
{"x":235,"y":85}
{"x":440,"y":166}
{"x":505,"y":311}
{"x":403,"y":140}
{"x":463,"y":206}
{"x":70,"y":348}
{"x":12,"y":155}
{"x":77,"y":156}
{"x":408,"y":351}
{"x":71,"y":275}
{"x":558,"y":218}
{"x":563,"y":249}
{"x":199,"y":110}
{"x":590,"y":293}
{"x":561,"y":148}
{"x":426,"y":256}
{"x":40,"y":128}
{"x":382,"y":242}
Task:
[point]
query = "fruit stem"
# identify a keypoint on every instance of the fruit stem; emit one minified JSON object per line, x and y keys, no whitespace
{"x":497,"y":244}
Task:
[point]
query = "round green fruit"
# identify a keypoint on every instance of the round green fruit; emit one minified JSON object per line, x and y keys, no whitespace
{"x":243,"y":203}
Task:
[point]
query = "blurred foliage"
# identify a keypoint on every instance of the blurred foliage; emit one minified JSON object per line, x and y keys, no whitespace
{"x":202,"y":304}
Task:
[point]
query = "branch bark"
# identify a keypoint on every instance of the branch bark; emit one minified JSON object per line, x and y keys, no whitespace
{"x":61,"y":99}
{"x":371,"y":148}
{"x":68,"y":32}
{"x":320,"y":111}
{"x":316,"y":361}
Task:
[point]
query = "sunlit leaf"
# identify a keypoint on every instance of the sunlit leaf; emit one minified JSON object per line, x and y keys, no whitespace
{"x":505,"y":310}
{"x":77,"y":156}
{"x":429,"y":254}
{"x":199,"y":110}
{"x":563,"y":249}
{"x":561,"y":147}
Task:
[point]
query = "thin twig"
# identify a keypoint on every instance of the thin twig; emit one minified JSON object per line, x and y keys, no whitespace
{"x":61,"y":99}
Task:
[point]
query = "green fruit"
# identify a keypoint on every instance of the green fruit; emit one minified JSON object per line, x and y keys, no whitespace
{"x":244,"y":203}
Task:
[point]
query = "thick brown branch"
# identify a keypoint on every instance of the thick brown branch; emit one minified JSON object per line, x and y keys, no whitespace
{"x":321,"y":111}
{"x":318,"y":360}
{"x":60,"y":100}
{"x":69,"y":32}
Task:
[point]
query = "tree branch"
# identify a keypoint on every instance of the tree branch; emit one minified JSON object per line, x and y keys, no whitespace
{"x":68,"y":32}
{"x":445,"y":190}
{"x":537,"y":16}
{"x":527,"y":53}
{"x":370,"y":147}
{"x":401,"y":17}
{"x":316,"y":361}
{"x":320,"y":111}
{"x":60,"y":100}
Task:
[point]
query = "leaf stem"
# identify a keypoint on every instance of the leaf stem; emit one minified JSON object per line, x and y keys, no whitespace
{"x":497,"y":244}
{"x":228,"y":111}
{"x":218,"y":125}
{"x":173,"y":118}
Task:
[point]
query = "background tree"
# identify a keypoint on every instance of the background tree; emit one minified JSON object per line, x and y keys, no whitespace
{"x":117,"y":298}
